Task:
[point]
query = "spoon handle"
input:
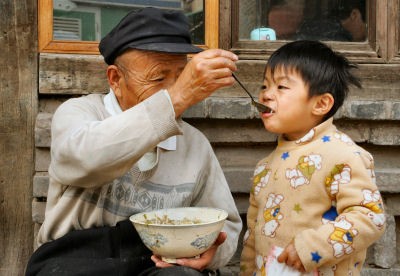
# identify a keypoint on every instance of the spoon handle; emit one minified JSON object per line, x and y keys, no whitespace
{"x":240,"y":83}
{"x":260,"y":107}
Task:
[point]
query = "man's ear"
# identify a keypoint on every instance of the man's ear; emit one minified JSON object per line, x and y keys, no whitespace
{"x":323,"y":104}
{"x":114,"y":76}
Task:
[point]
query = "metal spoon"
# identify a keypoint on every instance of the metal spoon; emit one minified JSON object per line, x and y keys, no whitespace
{"x":260,"y":107}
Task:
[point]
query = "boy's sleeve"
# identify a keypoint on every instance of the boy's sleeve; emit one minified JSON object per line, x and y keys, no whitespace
{"x":360,"y":221}
{"x":247,"y":260}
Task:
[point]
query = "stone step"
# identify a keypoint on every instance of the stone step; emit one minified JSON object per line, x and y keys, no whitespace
{"x":234,"y":269}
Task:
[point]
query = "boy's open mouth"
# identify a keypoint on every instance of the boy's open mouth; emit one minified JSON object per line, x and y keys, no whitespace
{"x":269,"y":111}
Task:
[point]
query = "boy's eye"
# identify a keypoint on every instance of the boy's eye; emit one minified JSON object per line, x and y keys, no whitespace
{"x":263,"y":87}
{"x":282,"y":87}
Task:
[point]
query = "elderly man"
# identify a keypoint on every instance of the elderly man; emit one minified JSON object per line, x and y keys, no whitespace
{"x":128,"y":151}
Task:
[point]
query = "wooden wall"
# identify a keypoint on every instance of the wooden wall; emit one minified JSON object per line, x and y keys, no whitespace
{"x":18,"y":107}
{"x":370,"y":116}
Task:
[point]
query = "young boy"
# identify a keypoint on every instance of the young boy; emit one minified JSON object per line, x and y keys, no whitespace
{"x":314,"y":206}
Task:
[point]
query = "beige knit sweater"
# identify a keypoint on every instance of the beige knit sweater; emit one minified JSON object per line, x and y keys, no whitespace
{"x":95,"y":179}
{"x":320,"y":192}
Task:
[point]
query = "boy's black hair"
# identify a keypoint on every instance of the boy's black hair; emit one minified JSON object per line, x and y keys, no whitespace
{"x":321,"y":69}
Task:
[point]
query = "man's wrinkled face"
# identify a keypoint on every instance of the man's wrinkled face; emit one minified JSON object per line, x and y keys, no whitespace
{"x":143,"y":73}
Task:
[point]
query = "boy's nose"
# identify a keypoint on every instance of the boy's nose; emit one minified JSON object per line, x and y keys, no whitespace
{"x":267,"y":94}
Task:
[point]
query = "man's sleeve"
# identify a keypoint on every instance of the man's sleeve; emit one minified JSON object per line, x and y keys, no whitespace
{"x":87,"y":151}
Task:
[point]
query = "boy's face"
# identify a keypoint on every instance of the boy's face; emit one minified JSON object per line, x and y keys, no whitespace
{"x":287,"y":95}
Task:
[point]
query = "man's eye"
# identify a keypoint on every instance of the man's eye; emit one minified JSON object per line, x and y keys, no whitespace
{"x":157,"y":79}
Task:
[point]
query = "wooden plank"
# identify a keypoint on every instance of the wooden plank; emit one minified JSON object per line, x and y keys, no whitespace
{"x":83,"y":74}
{"x":252,"y":131}
{"x":225,"y":24}
{"x":72,"y":74}
{"x":18,"y":107}
{"x":393,"y":30}
{"x":382,"y":28}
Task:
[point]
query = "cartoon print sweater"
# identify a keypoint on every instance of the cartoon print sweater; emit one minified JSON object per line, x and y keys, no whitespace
{"x":320,"y":192}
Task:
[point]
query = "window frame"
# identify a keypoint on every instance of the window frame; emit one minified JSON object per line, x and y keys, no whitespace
{"x":46,"y":43}
{"x":394,"y":31}
{"x":374,"y":50}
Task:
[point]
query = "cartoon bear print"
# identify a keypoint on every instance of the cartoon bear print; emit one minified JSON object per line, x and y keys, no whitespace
{"x":344,"y":138}
{"x":342,"y":237}
{"x":327,"y":271}
{"x":340,"y":174}
{"x":373,"y":201}
{"x":260,"y":178}
{"x":308,"y":137}
{"x":304,"y":170}
{"x":272,"y":214}
{"x":371,"y":169}
{"x":260,"y":263}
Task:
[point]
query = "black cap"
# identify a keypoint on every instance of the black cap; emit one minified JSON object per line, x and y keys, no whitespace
{"x":149,"y":29}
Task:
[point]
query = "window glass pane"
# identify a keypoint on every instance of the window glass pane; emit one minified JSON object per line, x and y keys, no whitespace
{"x":90,"y":20}
{"x":334,"y":20}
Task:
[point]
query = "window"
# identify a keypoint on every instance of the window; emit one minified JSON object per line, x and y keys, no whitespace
{"x":259,"y":27}
{"x":394,"y":31}
{"x":76,"y":26}
{"x":67,"y":28}
{"x":301,"y":19}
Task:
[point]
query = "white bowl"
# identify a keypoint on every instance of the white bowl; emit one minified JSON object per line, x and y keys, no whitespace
{"x":179,"y":232}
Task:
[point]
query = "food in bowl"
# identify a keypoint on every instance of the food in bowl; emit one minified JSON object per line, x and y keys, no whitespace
{"x":179,"y":232}
{"x":168,"y":221}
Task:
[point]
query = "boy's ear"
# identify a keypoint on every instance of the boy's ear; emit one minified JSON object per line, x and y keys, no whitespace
{"x":323,"y":104}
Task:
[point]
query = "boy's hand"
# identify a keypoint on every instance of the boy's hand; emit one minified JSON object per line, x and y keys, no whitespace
{"x":291,"y":258}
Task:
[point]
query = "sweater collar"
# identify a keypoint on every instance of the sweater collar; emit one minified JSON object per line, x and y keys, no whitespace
{"x":317,"y":132}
